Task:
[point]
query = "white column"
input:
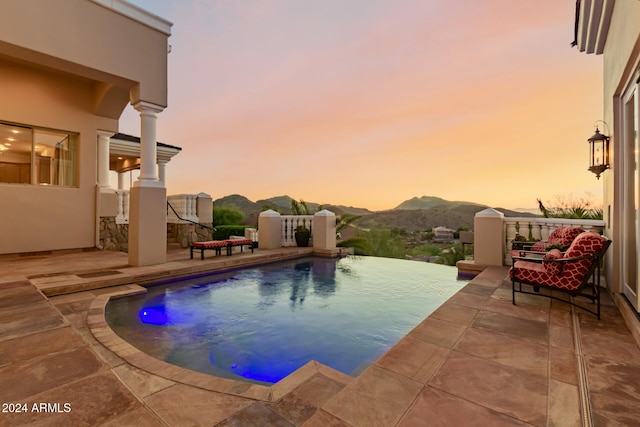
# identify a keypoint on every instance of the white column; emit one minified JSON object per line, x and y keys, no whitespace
{"x":121,"y":177}
{"x":103,"y":158}
{"x":148,"y":150}
{"x":161,"y":172}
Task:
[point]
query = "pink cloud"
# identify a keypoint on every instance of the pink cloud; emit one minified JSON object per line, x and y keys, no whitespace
{"x":410,"y":98}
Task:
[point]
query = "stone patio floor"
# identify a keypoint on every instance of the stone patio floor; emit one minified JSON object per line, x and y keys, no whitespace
{"x":477,"y":360}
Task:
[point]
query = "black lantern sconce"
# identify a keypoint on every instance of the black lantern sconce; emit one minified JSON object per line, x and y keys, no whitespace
{"x":598,"y":152}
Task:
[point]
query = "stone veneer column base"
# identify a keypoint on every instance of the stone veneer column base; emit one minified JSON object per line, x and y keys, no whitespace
{"x":113,"y":236}
{"x":185,"y":234}
{"x":147,"y":226}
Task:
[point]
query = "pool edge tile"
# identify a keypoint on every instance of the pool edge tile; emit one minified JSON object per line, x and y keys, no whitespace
{"x":293,"y":380}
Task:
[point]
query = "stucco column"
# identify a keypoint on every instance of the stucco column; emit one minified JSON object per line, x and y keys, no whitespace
{"x":324,"y":233}
{"x":148,"y":198}
{"x":121,"y":177}
{"x":148,"y":150}
{"x":488,"y":237}
{"x":269,"y":230}
{"x":104,"y":138}
{"x":204,"y":208}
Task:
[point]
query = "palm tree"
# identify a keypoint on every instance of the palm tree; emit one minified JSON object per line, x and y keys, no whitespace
{"x":299,"y":208}
{"x":359,"y":244}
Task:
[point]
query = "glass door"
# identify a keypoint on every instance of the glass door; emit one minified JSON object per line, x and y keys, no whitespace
{"x":630,"y":197}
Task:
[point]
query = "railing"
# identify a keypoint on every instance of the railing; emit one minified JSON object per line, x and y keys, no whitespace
{"x":122,"y":206}
{"x":184,"y":208}
{"x":289,"y":225}
{"x":540,"y":228}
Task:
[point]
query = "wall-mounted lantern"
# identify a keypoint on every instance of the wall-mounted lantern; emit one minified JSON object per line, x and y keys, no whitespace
{"x":598,"y":153}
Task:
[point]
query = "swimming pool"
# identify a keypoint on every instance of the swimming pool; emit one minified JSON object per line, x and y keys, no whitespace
{"x":260,"y":324}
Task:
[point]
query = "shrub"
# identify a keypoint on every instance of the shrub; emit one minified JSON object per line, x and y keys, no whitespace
{"x":383,"y":242}
{"x":429,"y":250}
{"x":452,"y":255}
{"x":227,"y":215}
{"x":223,"y":232}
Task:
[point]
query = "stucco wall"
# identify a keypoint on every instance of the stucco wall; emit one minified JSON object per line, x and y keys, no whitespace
{"x":621,"y":57}
{"x":34,"y":217}
{"x":84,"y":38}
{"x":72,"y":65}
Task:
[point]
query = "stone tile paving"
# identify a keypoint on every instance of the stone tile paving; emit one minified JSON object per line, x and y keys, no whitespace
{"x":477,"y":360}
{"x":49,"y":373}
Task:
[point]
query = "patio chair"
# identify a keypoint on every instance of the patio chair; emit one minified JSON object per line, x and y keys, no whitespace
{"x":561,"y":238}
{"x":571,"y":273}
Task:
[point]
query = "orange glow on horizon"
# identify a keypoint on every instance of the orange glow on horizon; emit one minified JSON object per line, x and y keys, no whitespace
{"x":369,"y":104}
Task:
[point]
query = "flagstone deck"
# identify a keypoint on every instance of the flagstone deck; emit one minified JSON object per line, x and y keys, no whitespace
{"x":477,"y":360}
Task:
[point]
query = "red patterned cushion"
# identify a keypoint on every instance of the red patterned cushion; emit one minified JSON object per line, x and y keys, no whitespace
{"x":573,"y":273}
{"x":563,"y":236}
{"x":586,"y":243}
{"x":552,"y":268}
{"x":238,"y":242}
{"x":211,"y":244}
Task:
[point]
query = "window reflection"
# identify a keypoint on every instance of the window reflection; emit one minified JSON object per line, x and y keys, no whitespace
{"x":37,"y":156}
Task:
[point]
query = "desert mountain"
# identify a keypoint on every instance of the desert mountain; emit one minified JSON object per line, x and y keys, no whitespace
{"x":416,"y":214}
{"x":280,"y":204}
{"x":429,"y":202}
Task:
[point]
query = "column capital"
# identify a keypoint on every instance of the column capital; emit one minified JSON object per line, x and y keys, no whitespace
{"x":144,"y":106}
{"x":105,"y":133}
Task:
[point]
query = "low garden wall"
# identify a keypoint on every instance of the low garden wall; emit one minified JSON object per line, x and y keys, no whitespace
{"x":115,"y":237}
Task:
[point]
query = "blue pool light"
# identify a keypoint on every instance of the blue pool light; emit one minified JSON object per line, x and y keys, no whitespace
{"x":153,"y":315}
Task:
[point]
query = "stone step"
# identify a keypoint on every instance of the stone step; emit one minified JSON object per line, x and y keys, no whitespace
{"x":173,"y":245}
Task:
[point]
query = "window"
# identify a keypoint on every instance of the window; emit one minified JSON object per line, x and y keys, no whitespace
{"x":30,"y":155}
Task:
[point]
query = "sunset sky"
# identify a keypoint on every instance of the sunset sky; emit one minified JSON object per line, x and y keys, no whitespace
{"x":371,"y":102}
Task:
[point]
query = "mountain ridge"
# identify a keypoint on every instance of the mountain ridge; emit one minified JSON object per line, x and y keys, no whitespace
{"x":415,"y":214}
{"x":427,"y":202}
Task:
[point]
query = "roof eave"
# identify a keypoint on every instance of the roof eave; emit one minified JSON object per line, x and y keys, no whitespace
{"x":594,"y":19}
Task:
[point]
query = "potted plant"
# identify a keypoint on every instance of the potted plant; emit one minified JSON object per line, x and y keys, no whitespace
{"x":302,"y":235}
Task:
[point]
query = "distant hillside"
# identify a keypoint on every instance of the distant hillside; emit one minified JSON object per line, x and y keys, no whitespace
{"x":457,"y":215}
{"x":407,"y":215}
{"x":280,"y":204}
{"x":428,"y":202}
{"x":238,"y":201}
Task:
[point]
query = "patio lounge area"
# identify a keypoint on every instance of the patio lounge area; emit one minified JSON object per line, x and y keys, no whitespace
{"x":477,"y":360}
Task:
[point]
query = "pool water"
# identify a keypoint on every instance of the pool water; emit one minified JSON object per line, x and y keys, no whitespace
{"x":260,"y":324}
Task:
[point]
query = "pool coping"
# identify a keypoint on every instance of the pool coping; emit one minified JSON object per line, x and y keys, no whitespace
{"x":100,"y":329}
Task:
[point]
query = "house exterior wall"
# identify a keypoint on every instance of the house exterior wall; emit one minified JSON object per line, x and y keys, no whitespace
{"x":72,"y":65}
{"x":36,"y":217}
{"x":125,"y":58}
{"x":621,"y":57}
